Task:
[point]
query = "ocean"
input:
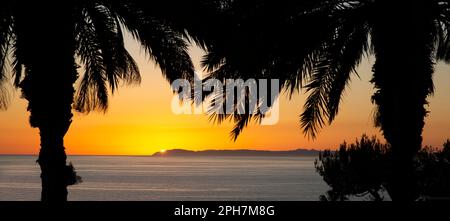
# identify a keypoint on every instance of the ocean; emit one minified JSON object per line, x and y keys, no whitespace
{"x":142,"y":178}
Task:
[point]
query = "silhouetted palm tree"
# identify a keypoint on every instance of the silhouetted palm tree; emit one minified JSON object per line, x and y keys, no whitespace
{"x":46,"y":41}
{"x":317,"y":45}
{"x":261,"y":39}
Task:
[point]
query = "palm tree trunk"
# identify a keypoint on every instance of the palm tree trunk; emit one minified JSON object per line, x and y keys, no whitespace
{"x":52,"y":160}
{"x":50,"y":109}
{"x":403,"y":79}
{"x":50,"y":96}
{"x":47,"y":43}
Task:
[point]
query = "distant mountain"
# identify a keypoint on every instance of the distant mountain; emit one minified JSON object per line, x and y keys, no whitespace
{"x":289,"y":153}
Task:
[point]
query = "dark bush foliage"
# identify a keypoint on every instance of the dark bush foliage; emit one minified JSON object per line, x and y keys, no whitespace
{"x":364,"y":167}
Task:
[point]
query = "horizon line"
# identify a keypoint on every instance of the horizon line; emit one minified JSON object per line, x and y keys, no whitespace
{"x":138,"y":155}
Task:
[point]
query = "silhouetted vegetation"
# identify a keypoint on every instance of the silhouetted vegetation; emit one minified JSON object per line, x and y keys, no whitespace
{"x":44,"y":44}
{"x":72,"y":177}
{"x":433,"y":172}
{"x":314,"y":45}
{"x":363,"y":169}
{"x":354,"y":169}
{"x":318,"y":45}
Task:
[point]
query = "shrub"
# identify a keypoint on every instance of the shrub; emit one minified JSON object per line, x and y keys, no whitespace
{"x":363,"y":169}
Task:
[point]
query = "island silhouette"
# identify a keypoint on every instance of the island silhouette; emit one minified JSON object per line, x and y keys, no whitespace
{"x":240,"y":153}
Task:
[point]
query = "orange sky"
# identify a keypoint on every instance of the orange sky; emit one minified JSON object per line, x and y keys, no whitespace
{"x":140,"y":120}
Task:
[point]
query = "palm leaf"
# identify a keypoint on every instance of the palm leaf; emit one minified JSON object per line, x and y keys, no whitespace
{"x":165,"y":46}
{"x":5,"y":42}
{"x":106,"y":60}
{"x":340,"y":55}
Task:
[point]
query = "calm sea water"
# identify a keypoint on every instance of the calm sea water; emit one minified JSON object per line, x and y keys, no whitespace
{"x":171,"y":178}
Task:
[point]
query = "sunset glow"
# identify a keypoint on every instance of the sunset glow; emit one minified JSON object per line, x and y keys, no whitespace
{"x":140,"y":121}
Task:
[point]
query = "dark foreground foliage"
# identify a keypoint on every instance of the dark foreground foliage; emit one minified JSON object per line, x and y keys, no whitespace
{"x":364,"y":169}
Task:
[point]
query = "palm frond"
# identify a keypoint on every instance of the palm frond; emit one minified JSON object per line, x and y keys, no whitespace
{"x":212,"y":61}
{"x":106,"y":60}
{"x":315,"y":111}
{"x":443,"y":40}
{"x":225,"y":105}
{"x":6,"y":37}
{"x":92,"y":93}
{"x":119,"y":65}
{"x":340,"y":55}
{"x":352,"y":51}
{"x":17,"y":62}
{"x":164,"y":45}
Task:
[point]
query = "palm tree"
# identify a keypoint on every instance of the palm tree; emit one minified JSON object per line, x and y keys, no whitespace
{"x":317,"y":45}
{"x":44,"y":43}
{"x":260,"y":40}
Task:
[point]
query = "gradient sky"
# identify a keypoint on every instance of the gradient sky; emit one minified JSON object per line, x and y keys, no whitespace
{"x":140,"y":121}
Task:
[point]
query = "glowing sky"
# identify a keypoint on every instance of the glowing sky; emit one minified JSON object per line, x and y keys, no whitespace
{"x":140,"y":121}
